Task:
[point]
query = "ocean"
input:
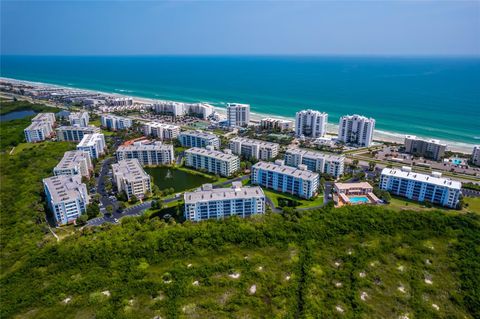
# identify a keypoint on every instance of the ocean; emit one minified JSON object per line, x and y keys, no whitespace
{"x":429,"y":97}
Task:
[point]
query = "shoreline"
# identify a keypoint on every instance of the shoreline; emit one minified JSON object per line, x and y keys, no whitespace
{"x":379,"y":135}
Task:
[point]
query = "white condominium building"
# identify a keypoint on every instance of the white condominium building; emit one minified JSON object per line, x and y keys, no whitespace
{"x":316,"y":161}
{"x":218,"y":203}
{"x":198,"y":139}
{"x":161,"y":131}
{"x":276,"y":124}
{"x":476,"y":155}
{"x":430,"y":148}
{"x":421,"y":187}
{"x":356,"y":130}
{"x":212,"y":161}
{"x":66,"y":197}
{"x":74,"y":163}
{"x":38,"y":131}
{"x":41,"y":128}
{"x":123,"y":101}
{"x":285,"y":179}
{"x":93,"y":144}
{"x":238,"y":114}
{"x":75,"y":133}
{"x":45,"y":117}
{"x":310,"y":123}
{"x":148,"y":154}
{"x":129,"y":176}
{"x":114,"y":123}
{"x":79,"y":118}
{"x":201,"y":110}
{"x":254,"y":149}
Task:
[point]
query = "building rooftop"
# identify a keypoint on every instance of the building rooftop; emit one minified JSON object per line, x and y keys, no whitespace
{"x":433,"y":141}
{"x":37,"y":125}
{"x":244,"y":140}
{"x":43,"y":117}
{"x":90,"y":139}
{"x":71,"y":159}
{"x":206,"y":194}
{"x":199,"y":134}
{"x":145,"y":146}
{"x":434,"y":179}
{"x":358,"y":117}
{"x":129,"y":169}
{"x":286,"y":170}
{"x":308,"y":153}
{"x":346,"y":186}
{"x":64,"y":188}
{"x":112,"y":116}
{"x":212,"y":153}
{"x":90,"y":128}
{"x":162,"y":125}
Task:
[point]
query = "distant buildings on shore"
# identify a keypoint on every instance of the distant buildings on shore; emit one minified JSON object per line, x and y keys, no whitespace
{"x":115,"y":123}
{"x":427,"y":148}
{"x":421,"y":187}
{"x":356,"y":130}
{"x":218,"y":203}
{"x":476,"y":155}
{"x":201,"y":110}
{"x":280,"y":125}
{"x":310,"y":123}
{"x":238,"y":115}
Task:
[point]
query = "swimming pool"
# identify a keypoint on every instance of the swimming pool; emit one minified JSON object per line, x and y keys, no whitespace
{"x":358,"y":200}
{"x":456,"y":161}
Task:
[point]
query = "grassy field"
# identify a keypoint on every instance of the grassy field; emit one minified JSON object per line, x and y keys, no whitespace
{"x":402,"y":204}
{"x":274,"y":196}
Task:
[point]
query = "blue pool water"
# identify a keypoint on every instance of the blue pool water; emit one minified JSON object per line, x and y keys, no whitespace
{"x":359,"y":199}
{"x":456,"y":161}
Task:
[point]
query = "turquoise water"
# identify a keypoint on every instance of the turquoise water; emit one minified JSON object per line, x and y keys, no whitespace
{"x":430,"y":97}
{"x":356,"y":200}
{"x":457,"y":161}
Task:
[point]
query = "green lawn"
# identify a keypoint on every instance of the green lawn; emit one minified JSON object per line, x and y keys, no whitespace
{"x":274,"y":196}
{"x":473,"y":204}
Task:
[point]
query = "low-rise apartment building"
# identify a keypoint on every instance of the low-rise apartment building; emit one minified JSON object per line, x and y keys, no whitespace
{"x":148,"y":154}
{"x":285,"y":179}
{"x":93,"y":144}
{"x":66,"y":197}
{"x":75,"y":133}
{"x":254,"y":149}
{"x":427,"y":148}
{"x":38,"y":131}
{"x":212,"y":161}
{"x":129,"y":176}
{"x":316,"y":161}
{"x":79,"y":118}
{"x":276,"y":124}
{"x":199,"y":139}
{"x":45,"y":117}
{"x":421,"y":187}
{"x":161,"y":131}
{"x":74,"y":163}
{"x":114,"y":123}
{"x":218,"y":203}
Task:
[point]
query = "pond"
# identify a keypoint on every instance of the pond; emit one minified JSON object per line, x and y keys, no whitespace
{"x":15,"y":115}
{"x":166,"y":177}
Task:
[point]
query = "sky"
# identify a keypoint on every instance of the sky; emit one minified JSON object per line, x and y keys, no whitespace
{"x":361,"y":27}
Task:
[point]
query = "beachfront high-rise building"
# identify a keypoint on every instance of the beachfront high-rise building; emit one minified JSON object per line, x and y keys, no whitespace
{"x":476,"y":155}
{"x":74,"y":163}
{"x":79,"y":119}
{"x":198,"y":139}
{"x":114,"y":123}
{"x":161,"y":131}
{"x":121,"y":101}
{"x":93,"y":144}
{"x":316,"y":161}
{"x":148,"y":154}
{"x":201,"y":110}
{"x":431,"y":149}
{"x":218,"y":203}
{"x":276,"y":124}
{"x":286,"y":179}
{"x":356,"y":130}
{"x":254,"y":149}
{"x":238,"y":114}
{"x":41,"y":128}
{"x":310,"y":123}
{"x":212,"y":161}
{"x":75,"y":133}
{"x":129,"y":176}
{"x":66,"y":197}
{"x":421,"y":187}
